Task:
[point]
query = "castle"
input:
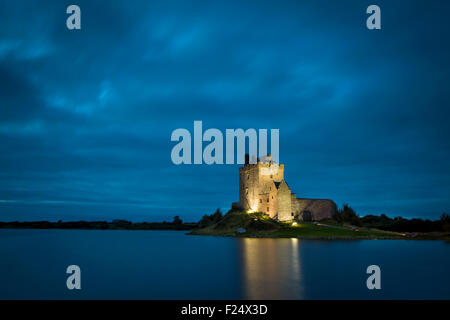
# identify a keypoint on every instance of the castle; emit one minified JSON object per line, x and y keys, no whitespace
{"x":262,"y":188}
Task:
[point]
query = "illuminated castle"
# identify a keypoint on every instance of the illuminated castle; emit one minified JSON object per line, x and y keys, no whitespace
{"x":262,"y":189}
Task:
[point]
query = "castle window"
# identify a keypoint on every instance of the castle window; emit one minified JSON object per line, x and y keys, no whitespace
{"x":267,"y":199}
{"x":267,"y":209}
{"x":260,"y":200}
{"x":292,"y":214}
{"x":248,"y":177}
{"x":272,"y":197}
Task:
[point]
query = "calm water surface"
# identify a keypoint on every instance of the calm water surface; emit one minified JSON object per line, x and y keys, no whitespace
{"x":172,"y":265}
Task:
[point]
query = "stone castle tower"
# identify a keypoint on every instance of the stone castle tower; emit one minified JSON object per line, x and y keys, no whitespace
{"x":262,"y":188}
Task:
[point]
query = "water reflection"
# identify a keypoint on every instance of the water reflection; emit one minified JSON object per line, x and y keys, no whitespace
{"x":271,"y":268}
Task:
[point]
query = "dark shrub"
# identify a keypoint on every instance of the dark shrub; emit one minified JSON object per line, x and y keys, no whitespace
{"x":347,"y":215}
{"x":177,"y":220}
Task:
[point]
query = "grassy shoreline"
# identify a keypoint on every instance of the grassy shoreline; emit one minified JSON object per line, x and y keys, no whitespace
{"x":240,"y":224}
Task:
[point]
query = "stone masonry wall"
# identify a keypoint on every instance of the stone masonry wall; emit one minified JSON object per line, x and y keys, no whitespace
{"x":284,"y":202}
{"x":320,"y":208}
{"x":258,"y":192}
{"x":249,"y":186}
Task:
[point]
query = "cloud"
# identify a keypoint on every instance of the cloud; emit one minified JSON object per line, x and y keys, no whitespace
{"x":86,"y":116}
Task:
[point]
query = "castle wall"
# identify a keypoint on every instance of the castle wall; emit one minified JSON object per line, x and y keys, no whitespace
{"x":255,"y":184}
{"x":258,"y":192}
{"x":295,"y":205}
{"x":284,"y":202}
{"x":271,"y":172}
{"x":268,"y":199}
{"x":249,"y":187}
{"x":320,"y":208}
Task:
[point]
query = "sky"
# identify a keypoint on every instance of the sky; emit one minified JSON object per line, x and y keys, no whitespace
{"x":86,"y":115}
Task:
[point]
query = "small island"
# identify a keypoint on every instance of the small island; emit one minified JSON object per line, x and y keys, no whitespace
{"x":258,"y":225}
{"x":268,"y":208}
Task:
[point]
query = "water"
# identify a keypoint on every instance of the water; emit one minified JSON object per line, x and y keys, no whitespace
{"x":172,"y":265}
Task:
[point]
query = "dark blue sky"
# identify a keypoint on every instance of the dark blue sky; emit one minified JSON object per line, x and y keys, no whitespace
{"x":86,"y":116}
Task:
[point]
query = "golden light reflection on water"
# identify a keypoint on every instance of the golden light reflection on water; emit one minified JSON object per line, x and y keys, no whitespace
{"x":271,"y":268}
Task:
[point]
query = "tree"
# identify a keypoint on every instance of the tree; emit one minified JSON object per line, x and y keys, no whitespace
{"x":347,"y":214}
{"x":445,"y":221}
{"x":207,"y":220}
{"x":216,"y":216}
{"x":204,"y":221}
{"x":177,"y":220}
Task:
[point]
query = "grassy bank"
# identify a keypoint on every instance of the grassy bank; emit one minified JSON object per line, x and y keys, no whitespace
{"x":255,"y":225}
